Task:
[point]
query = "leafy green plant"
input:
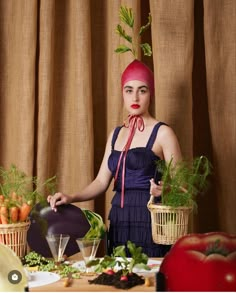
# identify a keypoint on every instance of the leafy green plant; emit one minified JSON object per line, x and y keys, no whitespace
{"x":119,"y":259}
{"x":19,"y":193}
{"x":97,"y":226}
{"x":28,"y":187}
{"x":127,"y":17}
{"x":183,"y":181}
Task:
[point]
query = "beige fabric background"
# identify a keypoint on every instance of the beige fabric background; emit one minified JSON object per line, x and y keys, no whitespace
{"x":60,"y":90}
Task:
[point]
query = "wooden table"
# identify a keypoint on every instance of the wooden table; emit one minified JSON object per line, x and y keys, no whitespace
{"x":83,"y":285}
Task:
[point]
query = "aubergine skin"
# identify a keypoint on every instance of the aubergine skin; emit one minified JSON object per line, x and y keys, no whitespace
{"x":69,"y":219}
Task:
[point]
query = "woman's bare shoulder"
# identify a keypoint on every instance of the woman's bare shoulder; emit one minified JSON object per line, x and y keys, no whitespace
{"x":111,"y":133}
{"x":166,"y":137}
{"x":165,"y":130}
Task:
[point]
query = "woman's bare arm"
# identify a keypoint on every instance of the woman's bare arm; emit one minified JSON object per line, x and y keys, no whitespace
{"x":98,"y":186}
{"x":167,"y":142}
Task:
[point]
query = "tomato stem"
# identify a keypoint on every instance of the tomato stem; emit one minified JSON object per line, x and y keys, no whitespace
{"x":217,"y":248}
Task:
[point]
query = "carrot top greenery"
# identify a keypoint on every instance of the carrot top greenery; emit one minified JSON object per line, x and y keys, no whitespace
{"x":19,"y":193}
{"x":183,"y":181}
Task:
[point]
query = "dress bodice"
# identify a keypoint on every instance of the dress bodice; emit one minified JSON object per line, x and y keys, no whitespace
{"x":140,"y":163}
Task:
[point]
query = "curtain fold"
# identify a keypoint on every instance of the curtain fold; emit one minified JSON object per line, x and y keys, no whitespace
{"x":65,"y":94}
{"x":220,"y":47}
{"x":18,"y":29}
{"x":172,"y":36}
{"x":60,"y":94}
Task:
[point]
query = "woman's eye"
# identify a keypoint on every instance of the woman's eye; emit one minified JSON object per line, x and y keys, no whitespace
{"x":143,"y":91}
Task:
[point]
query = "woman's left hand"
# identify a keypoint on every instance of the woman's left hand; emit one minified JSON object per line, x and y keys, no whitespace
{"x":156,"y":189}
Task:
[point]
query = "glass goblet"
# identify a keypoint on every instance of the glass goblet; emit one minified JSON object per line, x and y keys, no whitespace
{"x":88,"y":249}
{"x":57,"y":244}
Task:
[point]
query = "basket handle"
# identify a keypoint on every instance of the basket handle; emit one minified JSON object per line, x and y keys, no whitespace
{"x":151,"y":200}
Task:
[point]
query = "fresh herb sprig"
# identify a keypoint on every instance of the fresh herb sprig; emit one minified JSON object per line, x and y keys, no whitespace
{"x":183,"y":181}
{"x":127,"y":17}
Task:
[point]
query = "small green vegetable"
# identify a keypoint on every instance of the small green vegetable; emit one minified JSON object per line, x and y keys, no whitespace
{"x":34,"y":259}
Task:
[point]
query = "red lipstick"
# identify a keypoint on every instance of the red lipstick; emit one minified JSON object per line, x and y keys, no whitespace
{"x":135,"y":106}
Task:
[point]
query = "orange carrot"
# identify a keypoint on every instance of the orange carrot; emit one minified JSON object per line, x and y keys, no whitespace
{"x":4,"y":214}
{"x":14,"y":212}
{"x":24,"y":211}
{"x":19,"y":199}
{"x":1,"y":199}
{"x":14,"y":196}
{"x":1,"y":204}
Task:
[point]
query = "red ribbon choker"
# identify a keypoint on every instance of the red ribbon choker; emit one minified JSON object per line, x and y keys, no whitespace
{"x":134,"y":122}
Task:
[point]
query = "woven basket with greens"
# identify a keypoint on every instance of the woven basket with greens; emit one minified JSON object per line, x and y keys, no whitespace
{"x":183,"y":181}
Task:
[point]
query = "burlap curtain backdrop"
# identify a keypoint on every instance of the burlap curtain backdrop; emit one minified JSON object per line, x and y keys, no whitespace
{"x":60,"y":90}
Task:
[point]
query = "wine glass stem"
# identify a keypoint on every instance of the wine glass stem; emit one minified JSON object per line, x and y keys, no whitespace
{"x":59,"y":257}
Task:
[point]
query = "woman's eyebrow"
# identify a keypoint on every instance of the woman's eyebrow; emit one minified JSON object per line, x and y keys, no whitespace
{"x":146,"y":87}
{"x":131,"y":87}
{"x":128,"y":86}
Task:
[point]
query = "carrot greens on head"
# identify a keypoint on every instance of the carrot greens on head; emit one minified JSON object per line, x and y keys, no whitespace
{"x":127,"y":17}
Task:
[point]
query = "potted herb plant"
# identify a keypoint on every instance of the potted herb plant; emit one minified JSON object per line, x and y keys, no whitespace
{"x":182,"y":183}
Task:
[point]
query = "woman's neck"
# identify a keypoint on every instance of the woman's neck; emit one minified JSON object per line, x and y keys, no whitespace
{"x":148,"y":119}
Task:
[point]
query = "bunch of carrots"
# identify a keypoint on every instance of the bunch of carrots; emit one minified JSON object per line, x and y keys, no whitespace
{"x":19,"y":193}
{"x":14,"y":209}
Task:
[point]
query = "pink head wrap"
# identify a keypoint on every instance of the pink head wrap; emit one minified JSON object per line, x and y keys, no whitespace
{"x":137,"y":70}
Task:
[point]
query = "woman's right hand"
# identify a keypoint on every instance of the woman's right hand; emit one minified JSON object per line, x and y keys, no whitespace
{"x":156,"y":189}
{"x":58,"y":199}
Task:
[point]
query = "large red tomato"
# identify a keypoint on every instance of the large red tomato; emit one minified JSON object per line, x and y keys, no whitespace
{"x":201,"y":262}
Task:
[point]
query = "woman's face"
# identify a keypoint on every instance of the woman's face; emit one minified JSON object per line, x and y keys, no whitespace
{"x":136,"y":96}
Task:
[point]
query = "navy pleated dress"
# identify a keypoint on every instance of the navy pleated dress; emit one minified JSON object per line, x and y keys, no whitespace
{"x":133,"y":221}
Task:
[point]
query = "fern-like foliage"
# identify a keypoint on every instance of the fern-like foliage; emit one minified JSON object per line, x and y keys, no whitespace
{"x":127,"y":17}
{"x":123,"y":34}
{"x":147,"y":26}
{"x":30,"y":188}
{"x":183,"y":181}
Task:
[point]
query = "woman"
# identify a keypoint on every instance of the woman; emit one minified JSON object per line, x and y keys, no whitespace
{"x":130,"y":158}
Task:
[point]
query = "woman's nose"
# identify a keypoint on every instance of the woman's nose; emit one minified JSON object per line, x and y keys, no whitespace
{"x":135,"y":97}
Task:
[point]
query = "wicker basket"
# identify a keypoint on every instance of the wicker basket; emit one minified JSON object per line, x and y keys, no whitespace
{"x":168,"y":223}
{"x":15,"y":237}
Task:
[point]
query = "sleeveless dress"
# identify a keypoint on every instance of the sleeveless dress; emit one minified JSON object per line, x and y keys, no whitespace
{"x":133,"y":221}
